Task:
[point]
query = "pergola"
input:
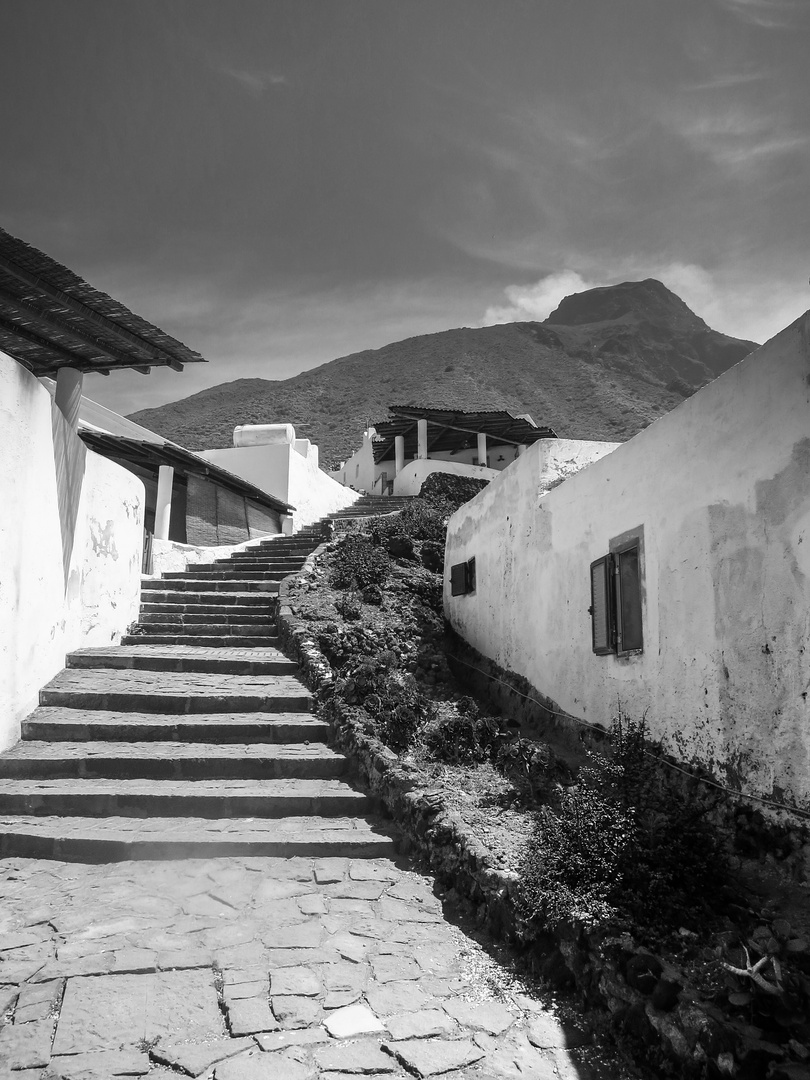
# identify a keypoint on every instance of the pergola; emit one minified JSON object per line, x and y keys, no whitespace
{"x":55,"y":324}
{"x":50,"y":319}
{"x":414,"y":430}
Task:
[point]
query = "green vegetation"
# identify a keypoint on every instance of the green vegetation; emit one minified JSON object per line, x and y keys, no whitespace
{"x":622,"y":843}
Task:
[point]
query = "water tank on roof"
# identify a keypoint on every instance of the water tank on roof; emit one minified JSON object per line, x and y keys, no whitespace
{"x":263,"y":434}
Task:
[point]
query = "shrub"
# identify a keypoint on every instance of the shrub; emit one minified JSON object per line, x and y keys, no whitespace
{"x":623,"y":843}
{"x":447,"y":492}
{"x":397,"y":708}
{"x":357,"y":563}
{"x":419,"y":520}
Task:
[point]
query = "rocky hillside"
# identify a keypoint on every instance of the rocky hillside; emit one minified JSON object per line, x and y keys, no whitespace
{"x":605,"y":364}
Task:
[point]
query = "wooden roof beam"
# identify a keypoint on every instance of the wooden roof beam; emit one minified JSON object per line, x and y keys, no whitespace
{"x":472,"y":431}
{"x":28,"y":311}
{"x":24,"y":334}
{"x":110,"y":326}
{"x":432,"y":442}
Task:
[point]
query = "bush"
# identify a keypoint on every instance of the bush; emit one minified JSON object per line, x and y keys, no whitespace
{"x":358,"y":563}
{"x":447,"y":492}
{"x":622,"y":843}
{"x":470,"y":738}
{"x":397,"y":708}
{"x":419,"y":520}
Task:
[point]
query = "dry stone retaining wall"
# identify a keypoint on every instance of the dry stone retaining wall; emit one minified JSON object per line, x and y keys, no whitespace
{"x":650,"y":1003}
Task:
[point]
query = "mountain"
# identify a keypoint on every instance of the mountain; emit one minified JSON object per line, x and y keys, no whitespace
{"x":605,"y":364}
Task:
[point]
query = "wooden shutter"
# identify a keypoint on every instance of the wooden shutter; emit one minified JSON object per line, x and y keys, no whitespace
{"x":469,"y":579}
{"x":629,"y":637}
{"x":602,"y":621}
{"x":458,"y":579}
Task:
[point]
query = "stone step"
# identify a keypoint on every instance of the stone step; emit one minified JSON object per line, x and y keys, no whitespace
{"x":73,"y":839}
{"x":233,"y":584}
{"x":148,"y":657}
{"x":235,"y":630}
{"x":217,"y":599}
{"x":224,"y":641}
{"x":281,"y":569}
{"x":266,"y":610}
{"x":76,"y":725}
{"x":228,"y":617}
{"x":175,"y":692}
{"x":288,"y":563}
{"x":157,"y":761}
{"x":243,"y":573}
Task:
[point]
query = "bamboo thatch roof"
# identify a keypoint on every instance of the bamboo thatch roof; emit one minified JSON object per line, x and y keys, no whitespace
{"x":51,"y":318}
{"x":453,"y":429}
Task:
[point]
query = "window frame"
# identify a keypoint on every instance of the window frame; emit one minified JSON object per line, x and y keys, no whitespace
{"x":462,"y":578}
{"x":632,"y":540}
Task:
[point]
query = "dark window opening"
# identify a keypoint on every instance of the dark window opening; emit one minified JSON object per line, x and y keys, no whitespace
{"x":616,"y":600}
{"x":462,"y":578}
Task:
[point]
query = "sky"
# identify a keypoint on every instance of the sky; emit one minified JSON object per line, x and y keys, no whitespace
{"x":282,"y":182}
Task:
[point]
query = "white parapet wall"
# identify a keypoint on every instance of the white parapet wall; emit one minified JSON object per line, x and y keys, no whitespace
{"x":718,"y":491}
{"x":410,"y":480}
{"x":270,"y":457}
{"x":169,"y":555}
{"x":71,"y":543}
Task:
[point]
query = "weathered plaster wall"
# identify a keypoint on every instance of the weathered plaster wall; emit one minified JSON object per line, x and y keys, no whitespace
{"x":71,"y":540}
{"x":561,"y":458}
{"x":720,"y":486}
{"x":410,"y":480}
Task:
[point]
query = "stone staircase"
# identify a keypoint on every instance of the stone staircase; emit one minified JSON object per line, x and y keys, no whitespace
{"x":194,"y":738}
{"x":372,"y":506}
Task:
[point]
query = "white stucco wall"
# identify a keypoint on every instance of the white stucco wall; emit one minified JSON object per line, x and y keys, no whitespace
{"x":267,"y":467}
{"x":288,"y":470}
{"x":720,"y":487}
{"x":359,"y":470}
{"x":313,"y":493}
{"x":71,"y":541}
{"x":170,"y":555}
{"x":561,"y":458}
{"x":410,"y":480}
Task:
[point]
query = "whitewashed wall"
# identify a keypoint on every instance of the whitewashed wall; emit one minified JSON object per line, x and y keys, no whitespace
{"x":290,"y":472}
{"x":313,"y":493}
{"x":721,"y":486}
{"x":410,"y":480}
{"x":71,"y":541}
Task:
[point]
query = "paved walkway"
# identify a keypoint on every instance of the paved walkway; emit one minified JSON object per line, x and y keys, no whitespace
{"x":253,"y":969}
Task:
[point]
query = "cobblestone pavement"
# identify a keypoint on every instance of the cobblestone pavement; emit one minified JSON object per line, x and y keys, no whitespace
{"x":259,"y":968}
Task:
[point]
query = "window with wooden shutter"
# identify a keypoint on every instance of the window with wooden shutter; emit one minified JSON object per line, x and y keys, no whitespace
{"x":602,"y":605}
{"x":617,"y":587}
{"x":629,"y":637}
{"x":462,"y":578}
{"x":458,"y":579}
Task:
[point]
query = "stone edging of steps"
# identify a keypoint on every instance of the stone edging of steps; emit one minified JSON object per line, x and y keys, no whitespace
{"x":639,"y":994}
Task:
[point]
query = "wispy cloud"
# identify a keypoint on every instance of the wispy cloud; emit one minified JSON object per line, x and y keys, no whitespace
{"x":730,"y":80}
{"x":737,"y":304}
{"x":738,"y":137}
{"x":768,"y":14}
{"x":254,"y":81}
{"x":533,"y":303}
